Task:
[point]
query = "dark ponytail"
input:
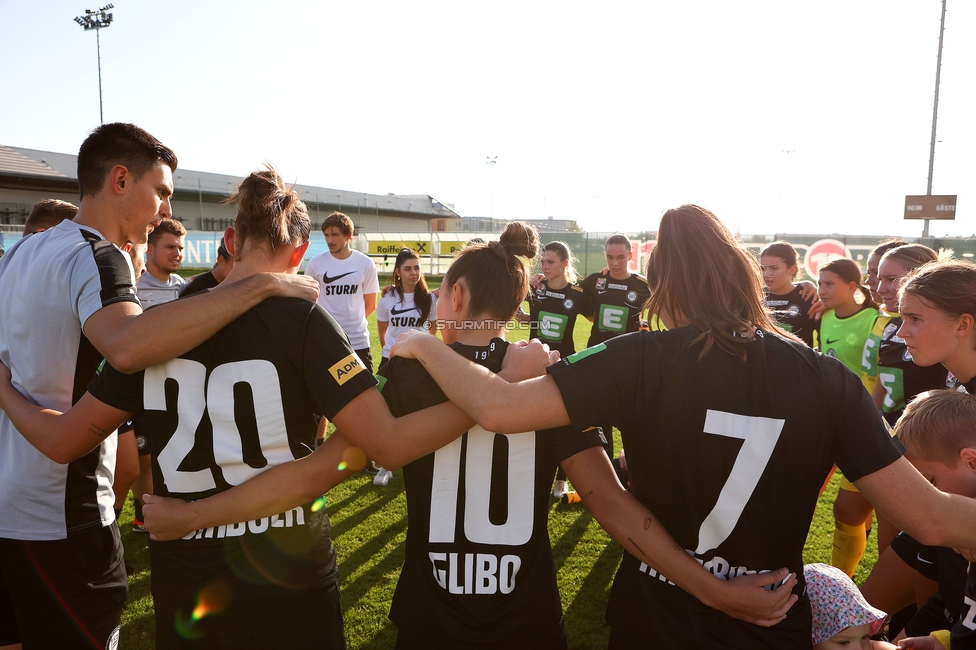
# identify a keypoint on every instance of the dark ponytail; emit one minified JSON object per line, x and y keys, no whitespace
{"x":848,"y":271}
{"x":268,"y":210}
{"x":496,"y":277}
{"x":421,"y":295}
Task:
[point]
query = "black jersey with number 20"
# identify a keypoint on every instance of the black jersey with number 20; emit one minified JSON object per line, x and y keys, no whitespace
{"x":478,"y":571}
{"x":730,"y":461}
{"x":226,"y":411}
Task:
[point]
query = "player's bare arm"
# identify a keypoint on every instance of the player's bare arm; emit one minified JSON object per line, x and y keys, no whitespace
{"x":132,"y":340}
{"x":492,"y":401}
{"x":279,"y":489}
{"x":636,"y":529}
{"x":370,"y":303}
{"x":364,"y":427}
{"x":61,"y":437}
{"x":932,"y":517}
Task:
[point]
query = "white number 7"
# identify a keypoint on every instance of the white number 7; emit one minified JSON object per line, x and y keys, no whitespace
{"x":759,"y":436}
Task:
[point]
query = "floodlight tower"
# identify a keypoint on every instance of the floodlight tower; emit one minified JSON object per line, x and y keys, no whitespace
{"x":97,"y":19}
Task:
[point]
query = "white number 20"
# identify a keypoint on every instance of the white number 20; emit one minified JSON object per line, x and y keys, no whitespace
{"x":196,"y":395}
{"x":759,"y":436}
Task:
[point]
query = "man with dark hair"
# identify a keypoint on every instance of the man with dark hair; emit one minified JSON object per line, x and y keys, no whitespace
{"x":68,"y":301}
{"x":48,"y":213}
{"x":213,"y":277}
{"x":164,"y":253}
{"x":348,"y":283}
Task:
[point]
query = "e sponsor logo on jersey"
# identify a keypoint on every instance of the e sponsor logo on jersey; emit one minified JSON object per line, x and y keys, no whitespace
{"x":613,"y":318}
{"x":346,"y":369}
{"x":552,"y":326}
{"x":619,"y":287}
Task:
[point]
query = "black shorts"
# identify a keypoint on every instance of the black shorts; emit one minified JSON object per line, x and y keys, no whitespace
{"x":366,"y":356}
{"x":66,"y":593}
{"x":296,"y":619}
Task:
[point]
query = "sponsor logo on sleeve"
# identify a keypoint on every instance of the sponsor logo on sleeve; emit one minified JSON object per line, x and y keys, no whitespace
{"x":346,"y":369}
{"x":582,"y":354}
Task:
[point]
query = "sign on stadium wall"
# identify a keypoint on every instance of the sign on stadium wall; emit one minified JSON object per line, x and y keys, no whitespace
{"x":821,"y":252}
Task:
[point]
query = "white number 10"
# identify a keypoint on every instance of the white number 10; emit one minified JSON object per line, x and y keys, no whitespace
{"x":478,"y":528}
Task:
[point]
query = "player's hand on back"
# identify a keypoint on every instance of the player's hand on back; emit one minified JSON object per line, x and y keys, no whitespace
{"x":527,"y":359}
{"x":166,"y":518}
{"x":968,"y":553}
{"x":921,"y":643}
{"x":747,"y":599}
{"x":408,"y":344}
{"x":291,"y":285}
{"x":808,"y":290}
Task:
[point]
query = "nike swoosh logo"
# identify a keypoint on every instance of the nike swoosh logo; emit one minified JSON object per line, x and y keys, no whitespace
{"x":394,"y":312}
{"x":326,"y":279}
{"x":921,"y":559}
{"x":834,"y":341}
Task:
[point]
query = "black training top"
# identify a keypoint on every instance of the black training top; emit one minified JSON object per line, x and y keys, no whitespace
{"x":199,"y":283}
{"x":615,"y":305}
{"x":728,"y":459}
{"x":238,"y":404}
{"x":478,"y":570}
{"x":553,"y":314}
{"x":790,"y":312}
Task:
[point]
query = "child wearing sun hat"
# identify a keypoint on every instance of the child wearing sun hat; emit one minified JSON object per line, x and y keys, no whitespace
{"x":842,"y":618}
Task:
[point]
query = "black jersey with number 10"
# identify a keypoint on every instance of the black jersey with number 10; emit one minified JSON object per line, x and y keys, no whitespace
{"x":478,"y":570}
{"x":224,"y":412}
{"x":728,"y":459}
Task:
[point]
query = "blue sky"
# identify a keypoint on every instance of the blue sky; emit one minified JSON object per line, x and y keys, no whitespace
{"x":780,"y":116}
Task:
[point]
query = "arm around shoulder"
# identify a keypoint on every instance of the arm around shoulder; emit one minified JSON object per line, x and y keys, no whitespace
{"x":132,"y":340}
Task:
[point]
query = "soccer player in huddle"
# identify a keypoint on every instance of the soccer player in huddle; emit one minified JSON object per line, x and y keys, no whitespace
{"x":786,"y":299}
{"x":615,"y":303}
{"x":213,"y":277}
{"x":68,"y":302}
{"x":164,"y":254}
{"x":48,"y":213}
{"x":241,"y":402}
{"x":478,"y":568}
{"x":940,"y":441}
{"x":553,"y":307}
{"x":410,"y":305}
{"x":734,"y":468}
{"x":348,"y":283}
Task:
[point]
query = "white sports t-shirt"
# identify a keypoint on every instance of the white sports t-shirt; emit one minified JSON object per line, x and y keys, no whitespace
{"x":153,"y":292}
{"x":402,"y":314}
{"x":51,"y":283}
{"x":342,"y":285}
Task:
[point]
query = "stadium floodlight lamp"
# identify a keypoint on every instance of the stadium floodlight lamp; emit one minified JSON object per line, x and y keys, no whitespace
{"x":97,"y":19}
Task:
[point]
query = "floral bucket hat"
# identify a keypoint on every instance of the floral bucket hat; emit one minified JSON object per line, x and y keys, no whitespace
{"x":837,"y":603}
